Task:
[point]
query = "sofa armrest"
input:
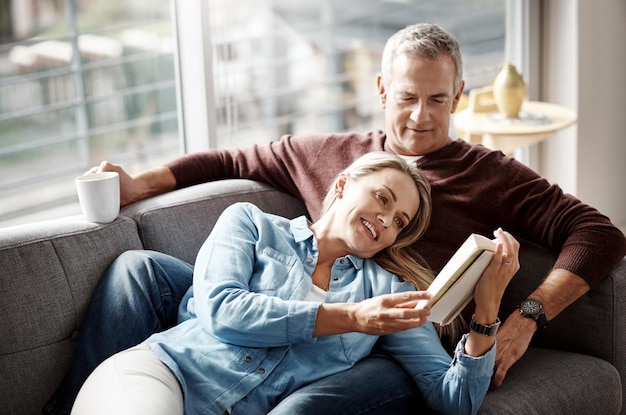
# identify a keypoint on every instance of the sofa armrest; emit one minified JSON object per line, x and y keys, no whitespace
{"x":49,"y":270}
{"x":177,"y":223}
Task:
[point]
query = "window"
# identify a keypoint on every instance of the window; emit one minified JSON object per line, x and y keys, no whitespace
{"x":62,"y":112}
{"x":269,"y":67}
{"x":284,"y":66}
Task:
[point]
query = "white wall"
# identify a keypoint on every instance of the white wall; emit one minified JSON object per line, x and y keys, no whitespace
{"x":584,"y":68}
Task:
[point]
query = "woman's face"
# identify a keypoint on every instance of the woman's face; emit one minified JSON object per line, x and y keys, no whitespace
{"x":377,"y":207}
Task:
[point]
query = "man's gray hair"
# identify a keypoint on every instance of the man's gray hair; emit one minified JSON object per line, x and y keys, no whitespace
{"x":424,"y":40}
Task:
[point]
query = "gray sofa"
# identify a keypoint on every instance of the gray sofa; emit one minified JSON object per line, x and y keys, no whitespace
{"x":49,"y":269}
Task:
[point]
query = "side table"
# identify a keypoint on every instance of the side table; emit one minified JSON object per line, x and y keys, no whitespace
{"x":536,"y":122}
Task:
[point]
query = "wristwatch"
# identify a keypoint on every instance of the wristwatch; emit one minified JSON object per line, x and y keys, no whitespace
{"x":489,"y":330}
{"x":531,"y":308}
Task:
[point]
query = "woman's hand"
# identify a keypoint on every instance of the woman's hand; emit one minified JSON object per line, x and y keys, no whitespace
{"x":490,"y":288}
{"x":378,"y":316}
{"x":497,"y":275}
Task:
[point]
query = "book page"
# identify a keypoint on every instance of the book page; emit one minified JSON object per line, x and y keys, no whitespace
{"x":461,"y":293}
{"x":453,"y":288}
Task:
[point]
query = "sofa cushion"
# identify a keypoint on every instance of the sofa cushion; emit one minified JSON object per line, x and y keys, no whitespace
{"x":177,"y":223}
{"x":49,"y":272}
{"x":554,"y":382}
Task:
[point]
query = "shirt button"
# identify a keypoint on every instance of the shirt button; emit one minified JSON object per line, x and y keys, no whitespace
{"x":245,"y":399}
{"x":341,"y":261}
{"x":261,"y":371}
{"x":248,"y":359}
{"x":309,"y":260}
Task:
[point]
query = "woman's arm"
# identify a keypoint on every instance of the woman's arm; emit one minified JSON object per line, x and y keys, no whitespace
{"x":380,"y":315}
{"x":490,"y":289}
{"x":449,"y":385}
{"x":244,"y":277}
{"x":459,"y":385}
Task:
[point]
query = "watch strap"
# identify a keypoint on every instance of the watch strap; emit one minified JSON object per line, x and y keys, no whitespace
{"x":485,"y":330}
{"x":541,"y":321}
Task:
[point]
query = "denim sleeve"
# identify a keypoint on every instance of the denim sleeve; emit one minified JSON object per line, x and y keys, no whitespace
{"x":456,"y":384}
{"x":241,"y":284}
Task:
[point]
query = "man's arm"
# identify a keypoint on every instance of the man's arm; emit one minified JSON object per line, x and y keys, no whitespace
{"x":545,"y":215}
{"x":143,"y":185}
{"x":302,"y":166}
{"x":560,"y":289}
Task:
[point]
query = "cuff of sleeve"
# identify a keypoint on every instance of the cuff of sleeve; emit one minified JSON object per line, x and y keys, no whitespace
{"x":301,"y":321}
{"x":474,"y":366}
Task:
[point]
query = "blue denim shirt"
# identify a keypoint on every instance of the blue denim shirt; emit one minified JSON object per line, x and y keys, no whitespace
{"x":246,"y":336}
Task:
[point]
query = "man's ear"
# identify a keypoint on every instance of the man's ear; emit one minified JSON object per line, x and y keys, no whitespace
{"x":457,"y":97}
{"x":382,"y":92}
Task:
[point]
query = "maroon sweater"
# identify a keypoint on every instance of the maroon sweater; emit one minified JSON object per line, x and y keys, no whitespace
{"x":474,"y":189}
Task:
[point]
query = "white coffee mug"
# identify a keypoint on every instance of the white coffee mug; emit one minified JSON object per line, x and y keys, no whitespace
{"x":99,"y":196}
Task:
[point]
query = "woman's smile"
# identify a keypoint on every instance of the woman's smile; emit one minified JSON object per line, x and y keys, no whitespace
{"x":370,"y":227}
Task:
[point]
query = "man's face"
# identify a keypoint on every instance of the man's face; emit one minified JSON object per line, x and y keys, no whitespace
{"x":418,"y":100}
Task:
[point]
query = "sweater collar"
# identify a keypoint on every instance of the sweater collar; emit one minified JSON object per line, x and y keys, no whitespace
{"x":450,"y":148}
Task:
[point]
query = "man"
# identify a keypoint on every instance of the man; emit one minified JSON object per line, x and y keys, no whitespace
{"x":473,"y":190}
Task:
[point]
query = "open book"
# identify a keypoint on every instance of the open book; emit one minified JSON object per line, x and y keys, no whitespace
{"x":453,"y":288}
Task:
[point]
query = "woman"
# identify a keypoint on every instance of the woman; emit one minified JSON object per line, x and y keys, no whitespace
{"x":278,"y":303}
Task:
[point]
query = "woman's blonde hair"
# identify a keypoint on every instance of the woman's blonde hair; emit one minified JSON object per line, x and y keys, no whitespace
{"x":401,"y":258}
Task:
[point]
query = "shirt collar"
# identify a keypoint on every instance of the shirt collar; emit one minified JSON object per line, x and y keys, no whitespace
{"x":300,"y":229}
{"x":356,"y":261}
{"x":301,"y":232}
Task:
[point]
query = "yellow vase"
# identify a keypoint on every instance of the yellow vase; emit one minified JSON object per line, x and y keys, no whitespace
{"x":509,"y":91}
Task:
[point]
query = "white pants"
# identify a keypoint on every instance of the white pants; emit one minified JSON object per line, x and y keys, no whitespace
{"x":132,"y":382}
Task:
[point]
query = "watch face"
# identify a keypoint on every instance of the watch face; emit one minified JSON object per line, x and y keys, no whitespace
{"x":530,"y":307}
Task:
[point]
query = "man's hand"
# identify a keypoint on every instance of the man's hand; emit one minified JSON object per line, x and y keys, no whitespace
{"x":513,"y":339}
{"x":560,"y":289}
{"x":127,"y":185}
{"x":141,"y":186}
